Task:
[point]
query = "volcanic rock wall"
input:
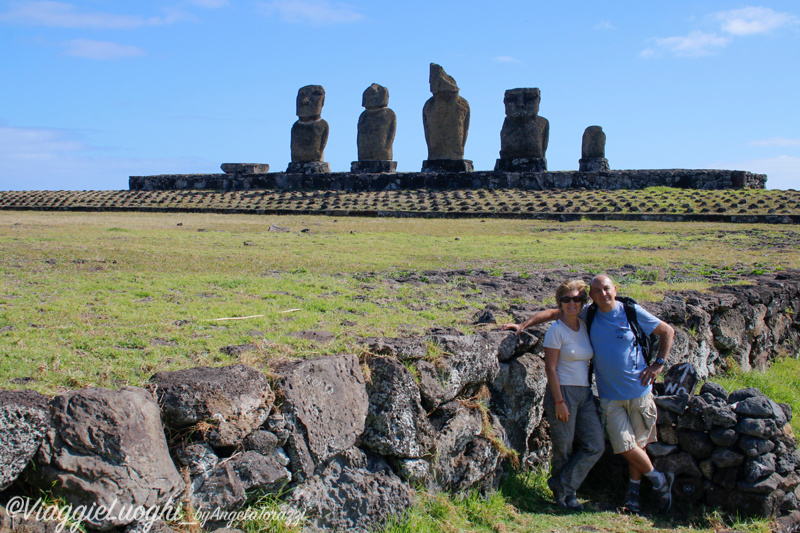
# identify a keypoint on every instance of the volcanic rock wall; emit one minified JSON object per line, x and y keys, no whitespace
{"x":615,"y":179}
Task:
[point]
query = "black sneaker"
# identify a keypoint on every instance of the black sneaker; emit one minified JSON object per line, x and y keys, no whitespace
{"x":558,"y":492}
{"x":631,"y":502}
{"x":664,"y":493}
{"x":571,"y":502}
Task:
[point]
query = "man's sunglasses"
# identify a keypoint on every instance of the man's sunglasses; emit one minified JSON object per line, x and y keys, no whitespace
{"x":567,"y":299}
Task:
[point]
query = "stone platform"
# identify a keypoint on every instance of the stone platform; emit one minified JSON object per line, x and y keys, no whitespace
{"x":615,"y":179}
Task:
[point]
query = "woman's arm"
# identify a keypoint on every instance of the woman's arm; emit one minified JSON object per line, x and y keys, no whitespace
{"x":537,"y":318}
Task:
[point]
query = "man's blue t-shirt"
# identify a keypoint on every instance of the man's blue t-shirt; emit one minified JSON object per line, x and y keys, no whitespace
{"x":618,"y":360}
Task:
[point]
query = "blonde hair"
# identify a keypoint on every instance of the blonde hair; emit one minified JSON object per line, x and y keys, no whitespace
{"x":569,"y":286}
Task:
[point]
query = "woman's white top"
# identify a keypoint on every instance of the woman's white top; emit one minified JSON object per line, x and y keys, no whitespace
{"x":574,"y":352}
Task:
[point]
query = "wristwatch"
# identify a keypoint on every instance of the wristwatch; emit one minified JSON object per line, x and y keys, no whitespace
{"x":659,"y":361}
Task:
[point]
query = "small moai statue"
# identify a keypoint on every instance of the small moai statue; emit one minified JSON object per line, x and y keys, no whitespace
{"x":525,"y":135}
{"x":376,"y":128}
{"x":445,"y":117}
{"x":593,"y":151}
{"x":309,"y":133}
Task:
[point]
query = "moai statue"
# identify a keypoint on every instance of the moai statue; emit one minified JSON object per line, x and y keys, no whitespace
{"x":593,"y":151}
{"x":524,"y":137}
{"x":446,"y":121}
{"x":376,"y":128}
{"x":309,"y":133}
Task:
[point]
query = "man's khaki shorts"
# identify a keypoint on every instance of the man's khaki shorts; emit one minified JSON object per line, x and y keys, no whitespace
{"x":629,"y":423}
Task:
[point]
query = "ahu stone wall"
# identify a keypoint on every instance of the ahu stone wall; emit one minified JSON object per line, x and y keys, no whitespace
{"x":614,"y":179}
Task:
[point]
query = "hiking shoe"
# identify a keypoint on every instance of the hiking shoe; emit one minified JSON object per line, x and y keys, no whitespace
{"x":664,"y":493}
{"x":558,"y":492}
{"x":631,"y":502}
{"x":571,"y":502}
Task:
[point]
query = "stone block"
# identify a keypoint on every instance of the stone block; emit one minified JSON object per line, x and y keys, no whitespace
{"x":396,"y":423}
{"x":727,"y":458}
{"x":447,"y":165}
{"x":308,"y":167}
{"x":755,"y":446}
{"x":680,"y":379}
{"x":724,"y":437}
{"x":107,"y":448}
{"x":24,"y":419}
{"x":373,"y":167}
{"x":244,"y":169}
{"x":234,"y":400}
{"x":325,"y":407}
{"x":597,"y":164}
{"x":521,"y":164}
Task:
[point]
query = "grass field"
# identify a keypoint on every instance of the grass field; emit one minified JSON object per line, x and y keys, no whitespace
{"x":107,"y":299}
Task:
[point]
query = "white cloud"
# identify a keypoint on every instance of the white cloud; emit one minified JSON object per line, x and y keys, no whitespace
{"x":36,"y":144}
{"x":64,"y":15}
{"x":55,"y":159}
{"x":734,"y":23}
{"x":752,"y":20}
{"x":506,"y":59}
{"x":695,"y":44}
{"x":313,"y":12}
{"x":777,"y":141}
{"x":101,"y":50}
{"x":604,"y":25}
{"x":647,"y":53}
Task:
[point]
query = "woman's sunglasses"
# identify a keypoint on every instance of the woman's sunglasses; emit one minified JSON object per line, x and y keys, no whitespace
{"x":567,"y":299}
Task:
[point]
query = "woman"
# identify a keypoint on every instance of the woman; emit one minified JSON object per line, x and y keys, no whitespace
{"x":575,"y":430}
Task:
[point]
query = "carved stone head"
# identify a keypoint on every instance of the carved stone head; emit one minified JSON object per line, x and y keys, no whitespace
{"x":310,"y":100}
{"x":593,"y":145}
{"x":440,"y":81}
{"x":375,"y":96}
{"x":522,"y":102}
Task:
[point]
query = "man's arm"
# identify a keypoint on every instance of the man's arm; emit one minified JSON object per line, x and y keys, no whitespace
{"x":539,"y":317}
{"x":665,"y":335}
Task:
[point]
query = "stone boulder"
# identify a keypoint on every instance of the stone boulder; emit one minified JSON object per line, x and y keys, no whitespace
{"x":396,"y":424}
{"x":467,"y":448}
{"x":517,"y":395}
{"x":24,"y":419}
{"x":200,"y":461}
{"x":353,"y":491}
{"x":325,"y":407}
{"x":233,"y":400}
{"x":509,"y":344}
{"x":108,"y":446}
{"x":460,"y":364}
{"x":227,"y":485}
{"x":13,"y":520}
{"x":680,"y":379}
{"x":400,"y":348}
{"x":730,"y":335}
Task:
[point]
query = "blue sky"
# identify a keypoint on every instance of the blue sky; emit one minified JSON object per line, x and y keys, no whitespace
{"x":93,"y":91}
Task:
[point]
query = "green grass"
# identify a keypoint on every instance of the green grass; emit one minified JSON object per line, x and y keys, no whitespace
{"x":524,"y":503}
{"x":107,"y":299}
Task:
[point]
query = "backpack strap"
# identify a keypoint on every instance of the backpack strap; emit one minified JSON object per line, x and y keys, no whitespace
{"x":629,"y":304}
{"x":590,"y":313}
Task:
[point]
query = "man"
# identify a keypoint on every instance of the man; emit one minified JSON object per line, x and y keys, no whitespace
{"x":624,"y":383}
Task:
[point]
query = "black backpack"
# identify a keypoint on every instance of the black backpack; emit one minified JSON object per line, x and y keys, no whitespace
{"x":642,"y":339}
